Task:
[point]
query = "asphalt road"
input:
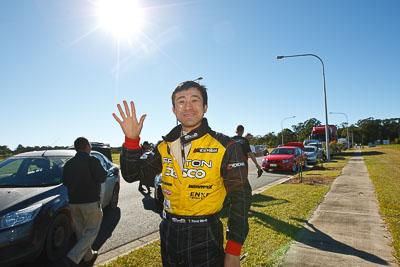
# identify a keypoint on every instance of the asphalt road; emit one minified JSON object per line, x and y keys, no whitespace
{"x":137,"y":215}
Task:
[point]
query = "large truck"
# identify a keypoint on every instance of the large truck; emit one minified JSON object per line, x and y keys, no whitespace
{"x":318,"y":133}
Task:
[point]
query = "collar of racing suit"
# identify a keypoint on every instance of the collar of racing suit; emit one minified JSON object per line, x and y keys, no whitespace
{"x":190,"y":136}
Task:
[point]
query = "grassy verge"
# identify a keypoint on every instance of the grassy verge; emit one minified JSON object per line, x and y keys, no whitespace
{"x":383,"y":163}
{"x":275,"y":218}
{"x":115,"y":158}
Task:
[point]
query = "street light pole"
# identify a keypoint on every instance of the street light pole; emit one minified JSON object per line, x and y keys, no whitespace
{"x":282,"y":125}
{"x":347,"y":123}
{"x":326,"y":106}
{"x":198,"y":79}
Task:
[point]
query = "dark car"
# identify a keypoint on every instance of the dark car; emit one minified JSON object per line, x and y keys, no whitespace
{"x":34,"y":215}
{"x":158,"y":194}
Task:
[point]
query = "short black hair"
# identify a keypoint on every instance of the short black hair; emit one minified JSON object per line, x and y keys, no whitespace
{"x":239,"y":128}
{"x":81,"y":143}
{"x":189,"y":84}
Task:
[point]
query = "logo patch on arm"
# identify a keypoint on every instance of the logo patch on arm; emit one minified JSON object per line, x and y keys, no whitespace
{"x":235,"y":165}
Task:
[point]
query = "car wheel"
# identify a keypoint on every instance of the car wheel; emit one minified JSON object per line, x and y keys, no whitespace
{"x":114,"y":198}
{"x":57,"y":239}
{"x":294,"y":167}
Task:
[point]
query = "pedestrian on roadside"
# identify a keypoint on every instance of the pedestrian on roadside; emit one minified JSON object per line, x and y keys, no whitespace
{"x":145,"y":147}
{"x":245,"y":145}
{"x":199,"y":167}
{"x":83,"y":175}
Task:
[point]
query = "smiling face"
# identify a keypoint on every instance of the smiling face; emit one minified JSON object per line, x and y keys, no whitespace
{"x":189,"y":109}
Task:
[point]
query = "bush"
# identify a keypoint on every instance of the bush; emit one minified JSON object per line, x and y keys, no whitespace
{"x":336,"y":147}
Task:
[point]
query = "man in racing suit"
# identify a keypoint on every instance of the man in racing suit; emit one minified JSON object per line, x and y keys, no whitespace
{"x":200,"y":168}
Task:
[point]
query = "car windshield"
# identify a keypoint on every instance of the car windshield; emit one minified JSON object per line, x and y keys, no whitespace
{"x":310,"y":149}
{"x":283,"y":151}
{"x":32,"y":172}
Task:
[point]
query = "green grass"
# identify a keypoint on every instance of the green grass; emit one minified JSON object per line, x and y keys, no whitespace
{"x":115,"y":158}
{"x":383,"y":163}
{"x":275,"y":218}
{"x":328,"y":170}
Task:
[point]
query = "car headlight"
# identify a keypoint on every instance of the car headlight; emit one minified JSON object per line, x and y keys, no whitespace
{"x":265,"y":160}
{"x":18,"y":217}
{"x":286,"y":161}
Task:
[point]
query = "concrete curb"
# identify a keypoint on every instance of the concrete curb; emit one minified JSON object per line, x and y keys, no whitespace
{"x":123,"y":250}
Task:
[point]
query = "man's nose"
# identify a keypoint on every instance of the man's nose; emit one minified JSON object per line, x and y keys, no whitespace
{"x":188,"y":105}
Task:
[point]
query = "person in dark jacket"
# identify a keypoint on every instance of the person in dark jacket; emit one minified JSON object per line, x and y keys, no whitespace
{"x":245,"y":145}
{"x":200,"y":168}
{"x":83,"y":175}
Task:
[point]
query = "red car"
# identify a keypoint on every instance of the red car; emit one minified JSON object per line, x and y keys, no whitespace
{"x":287,"y":158}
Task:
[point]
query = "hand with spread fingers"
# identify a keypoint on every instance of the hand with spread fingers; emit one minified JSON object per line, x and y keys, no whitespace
{"x":129,"y":123}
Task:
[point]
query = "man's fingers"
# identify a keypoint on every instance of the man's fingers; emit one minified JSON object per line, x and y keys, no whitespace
{"x":116,"y":118}
{"x":128,"y":114}
{"x":121,"y":112}
{"x":133,"y":109}
{"x":142,"y":119}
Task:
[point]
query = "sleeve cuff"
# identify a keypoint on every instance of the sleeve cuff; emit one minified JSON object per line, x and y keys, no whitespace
{"x":131,"y":143}
{"x":233,"y":248}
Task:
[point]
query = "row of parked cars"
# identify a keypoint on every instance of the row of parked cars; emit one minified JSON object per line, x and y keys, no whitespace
{"x":293,"y":155}
{"x":34,"y":217}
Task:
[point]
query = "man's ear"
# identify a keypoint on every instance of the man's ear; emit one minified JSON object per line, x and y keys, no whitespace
{"x":205,"y":108}
{"x":173,"y":110}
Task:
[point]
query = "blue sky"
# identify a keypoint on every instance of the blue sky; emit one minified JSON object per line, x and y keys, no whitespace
{"x":62,"y":75}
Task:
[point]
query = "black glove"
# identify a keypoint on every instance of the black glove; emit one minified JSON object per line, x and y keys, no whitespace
{"x":259,"y":172}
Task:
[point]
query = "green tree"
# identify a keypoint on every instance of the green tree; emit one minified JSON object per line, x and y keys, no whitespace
{"x":303,"y":129}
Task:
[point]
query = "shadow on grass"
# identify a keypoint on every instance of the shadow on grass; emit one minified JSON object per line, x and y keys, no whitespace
{"x":315,"y":238}
{"x":257,"y":201}
{"x":371,"y":153}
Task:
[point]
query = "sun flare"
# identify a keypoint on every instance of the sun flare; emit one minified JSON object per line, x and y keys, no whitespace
{"x":122,"y":18}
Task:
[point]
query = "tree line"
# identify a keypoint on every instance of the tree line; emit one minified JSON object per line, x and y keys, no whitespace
{"x":363,"y":132}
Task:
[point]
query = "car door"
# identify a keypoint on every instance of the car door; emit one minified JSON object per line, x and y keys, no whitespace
{"x":108,"y":186}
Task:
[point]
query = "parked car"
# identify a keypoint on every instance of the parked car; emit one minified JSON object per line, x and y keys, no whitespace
{"x":34,"y":217}
{"x":253,"y":149}
{"x":319,"y":145}
{"x":287,"y":158}
{"x":261,"y":150}
{"x":158,"y":194}
{"x":103,"y":148}
{"x":314,"y":155}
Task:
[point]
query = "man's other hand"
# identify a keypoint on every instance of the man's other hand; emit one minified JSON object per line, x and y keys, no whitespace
{"x":231,"y":260}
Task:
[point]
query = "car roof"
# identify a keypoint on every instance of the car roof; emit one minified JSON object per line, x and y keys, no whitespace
{"x":311,"y":146}
{"x":48,"y":153}
{"x":292,"y":147}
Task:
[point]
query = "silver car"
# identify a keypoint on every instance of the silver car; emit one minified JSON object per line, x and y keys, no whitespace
{"x":314,"y":154}
{"x":34,"y":213}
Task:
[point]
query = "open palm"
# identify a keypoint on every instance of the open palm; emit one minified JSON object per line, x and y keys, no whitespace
{"x":129,"y":123}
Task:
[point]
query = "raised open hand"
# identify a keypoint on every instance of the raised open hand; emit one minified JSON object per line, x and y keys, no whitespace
{"x":129,"y":123}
